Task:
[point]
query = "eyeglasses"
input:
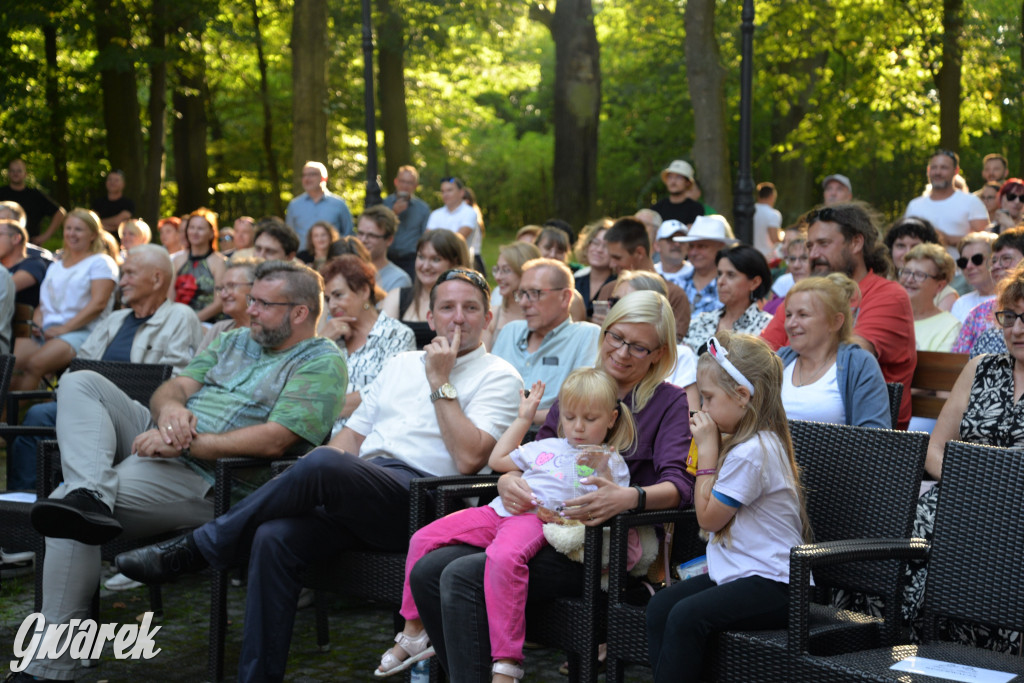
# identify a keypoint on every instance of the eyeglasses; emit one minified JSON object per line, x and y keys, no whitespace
{"x":1013,"y":197}
{"x":231,"y":286}
{"x":264,"y":306}
{"x":914,"y":275}
{"x":501,"y":270}
{"x":1008,"y":318}
{"x":363,"y":235}
{"x":1006,"y":260}
{"x":532,"y":294}
{"x":617,"y":342}
{"x":471,"y":276}
{"x":977,"y":260}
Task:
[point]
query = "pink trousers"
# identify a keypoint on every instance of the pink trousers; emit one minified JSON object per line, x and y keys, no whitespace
{"x":510,"y":543}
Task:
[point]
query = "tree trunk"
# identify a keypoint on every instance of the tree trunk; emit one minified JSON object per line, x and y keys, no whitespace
{"x":948,"y":81}
{"x":1020,"y":142}
{"x":577,"y":106}
{"x":268,"y":124}
{"x":706,"y":78}
{"x":394,"y":114}
{"x":58,"y":147}
{"x":796,"y":183}
{"x":309,"y":86}
{"x":149,"y":206}
{"x":189,"y":131}
{"x":120,"y":92}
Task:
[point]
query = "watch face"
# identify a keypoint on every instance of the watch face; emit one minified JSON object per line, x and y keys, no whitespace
{"x":448,"y":391}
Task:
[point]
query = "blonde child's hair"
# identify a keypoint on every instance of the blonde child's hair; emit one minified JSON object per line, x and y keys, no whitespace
{"x":764,"y":412}
{"x":595,"y":387}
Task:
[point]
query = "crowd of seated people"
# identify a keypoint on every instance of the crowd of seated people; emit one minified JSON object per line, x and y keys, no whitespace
{"x":423,"y":379}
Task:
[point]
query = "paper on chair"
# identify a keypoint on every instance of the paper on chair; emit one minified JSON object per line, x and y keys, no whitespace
{"x":18,"y":497}
{"x":951,"y":671}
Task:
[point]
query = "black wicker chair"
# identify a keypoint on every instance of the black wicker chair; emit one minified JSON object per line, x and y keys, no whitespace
{"x":973,"y":574}
{"x":859,"y":483}
{"x":895,"y":390}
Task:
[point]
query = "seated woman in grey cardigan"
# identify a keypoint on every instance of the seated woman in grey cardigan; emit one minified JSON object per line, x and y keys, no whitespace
{"x":826,"y":377}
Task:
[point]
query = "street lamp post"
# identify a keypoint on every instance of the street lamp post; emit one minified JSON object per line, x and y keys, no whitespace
{"x":372,"y":176}
{"x":743,"y":204}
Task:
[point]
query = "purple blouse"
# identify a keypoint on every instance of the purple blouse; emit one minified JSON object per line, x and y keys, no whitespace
{"x":662,"y":440}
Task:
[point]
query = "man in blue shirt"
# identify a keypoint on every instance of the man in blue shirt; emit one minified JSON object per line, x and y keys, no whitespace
{"x":317,"y":204}
{"x":412,"y":214}
{"x":548,"y":345}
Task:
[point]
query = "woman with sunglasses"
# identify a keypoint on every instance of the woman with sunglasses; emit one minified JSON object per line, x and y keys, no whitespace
{"x":1011,"y":201}
{"x":975,"y":263}
{"x":982,"y":408}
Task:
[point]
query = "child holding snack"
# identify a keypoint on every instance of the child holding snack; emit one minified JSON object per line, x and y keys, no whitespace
{"x":556,"y":470}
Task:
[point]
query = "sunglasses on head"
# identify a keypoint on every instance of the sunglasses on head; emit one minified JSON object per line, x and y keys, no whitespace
{"x":977,"y":260}
{"x":471,"y":276}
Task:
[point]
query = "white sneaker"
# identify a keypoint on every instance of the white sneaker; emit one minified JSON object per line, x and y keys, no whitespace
{"x":120,"y":582}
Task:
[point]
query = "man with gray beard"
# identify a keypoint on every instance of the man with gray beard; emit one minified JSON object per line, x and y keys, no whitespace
{"x":265,"y":391}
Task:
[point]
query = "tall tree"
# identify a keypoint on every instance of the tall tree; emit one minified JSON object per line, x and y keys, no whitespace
{"x":394,"y":113}
{"x":268,"y":123}
{"x":58,"y":147}
{"x":120,"y":91}
{"x":309,"y":85}
{"x":191,"y":165}
{"x":707,"y":93}
{"x":149,"y":204}
{"x":577,"y":106}
{"x":947,"y":79}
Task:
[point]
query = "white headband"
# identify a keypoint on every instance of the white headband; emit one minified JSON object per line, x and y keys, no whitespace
{"x":719,"y":353}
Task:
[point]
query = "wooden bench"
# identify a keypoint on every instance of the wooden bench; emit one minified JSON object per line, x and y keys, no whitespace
{"x":936,"y":372}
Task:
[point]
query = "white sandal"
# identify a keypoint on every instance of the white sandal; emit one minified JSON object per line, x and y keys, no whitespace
{"x":417,"y":649}
{"x":506,"y":669}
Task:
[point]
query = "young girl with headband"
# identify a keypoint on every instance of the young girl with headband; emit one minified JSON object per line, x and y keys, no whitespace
{"x":594,"y":427}
{"x":748,"y":501}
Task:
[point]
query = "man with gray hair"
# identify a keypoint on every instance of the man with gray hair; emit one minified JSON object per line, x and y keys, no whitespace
{"x":149,"y":329}
{"x":547,"y":345}
{"x":317,"y":203}
{"x":265,"y":391}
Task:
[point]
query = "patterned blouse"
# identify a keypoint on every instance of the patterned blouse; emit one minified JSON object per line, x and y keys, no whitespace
{"x":387,"y":338}
{"x":992,"y":417}
{"x":978,"y":320}
{"x":195,"y":284}
{"x":704,"y":325}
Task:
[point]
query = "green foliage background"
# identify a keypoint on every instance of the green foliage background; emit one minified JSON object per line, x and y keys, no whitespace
{"x":479,"y":78}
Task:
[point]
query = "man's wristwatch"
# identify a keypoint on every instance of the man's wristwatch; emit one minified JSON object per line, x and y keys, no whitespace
{"x":446,"y":390}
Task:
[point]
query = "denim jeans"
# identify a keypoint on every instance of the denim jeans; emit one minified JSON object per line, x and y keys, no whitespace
{"x":22,"y":454}
{"x":448,"y":586}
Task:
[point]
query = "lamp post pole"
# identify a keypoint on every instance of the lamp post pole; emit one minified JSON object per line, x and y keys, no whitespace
{"x":372,"y":176}
{"x":743,"y":204}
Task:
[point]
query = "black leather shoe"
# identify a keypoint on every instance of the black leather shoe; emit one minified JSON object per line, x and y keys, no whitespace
{"x":80,"y":516}
{"x":162,"y":562}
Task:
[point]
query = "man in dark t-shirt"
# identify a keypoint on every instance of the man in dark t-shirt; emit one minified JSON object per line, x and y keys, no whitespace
{"x":115,"y":208}
{"x":37,"y":205}
{"x":678,"y":178}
